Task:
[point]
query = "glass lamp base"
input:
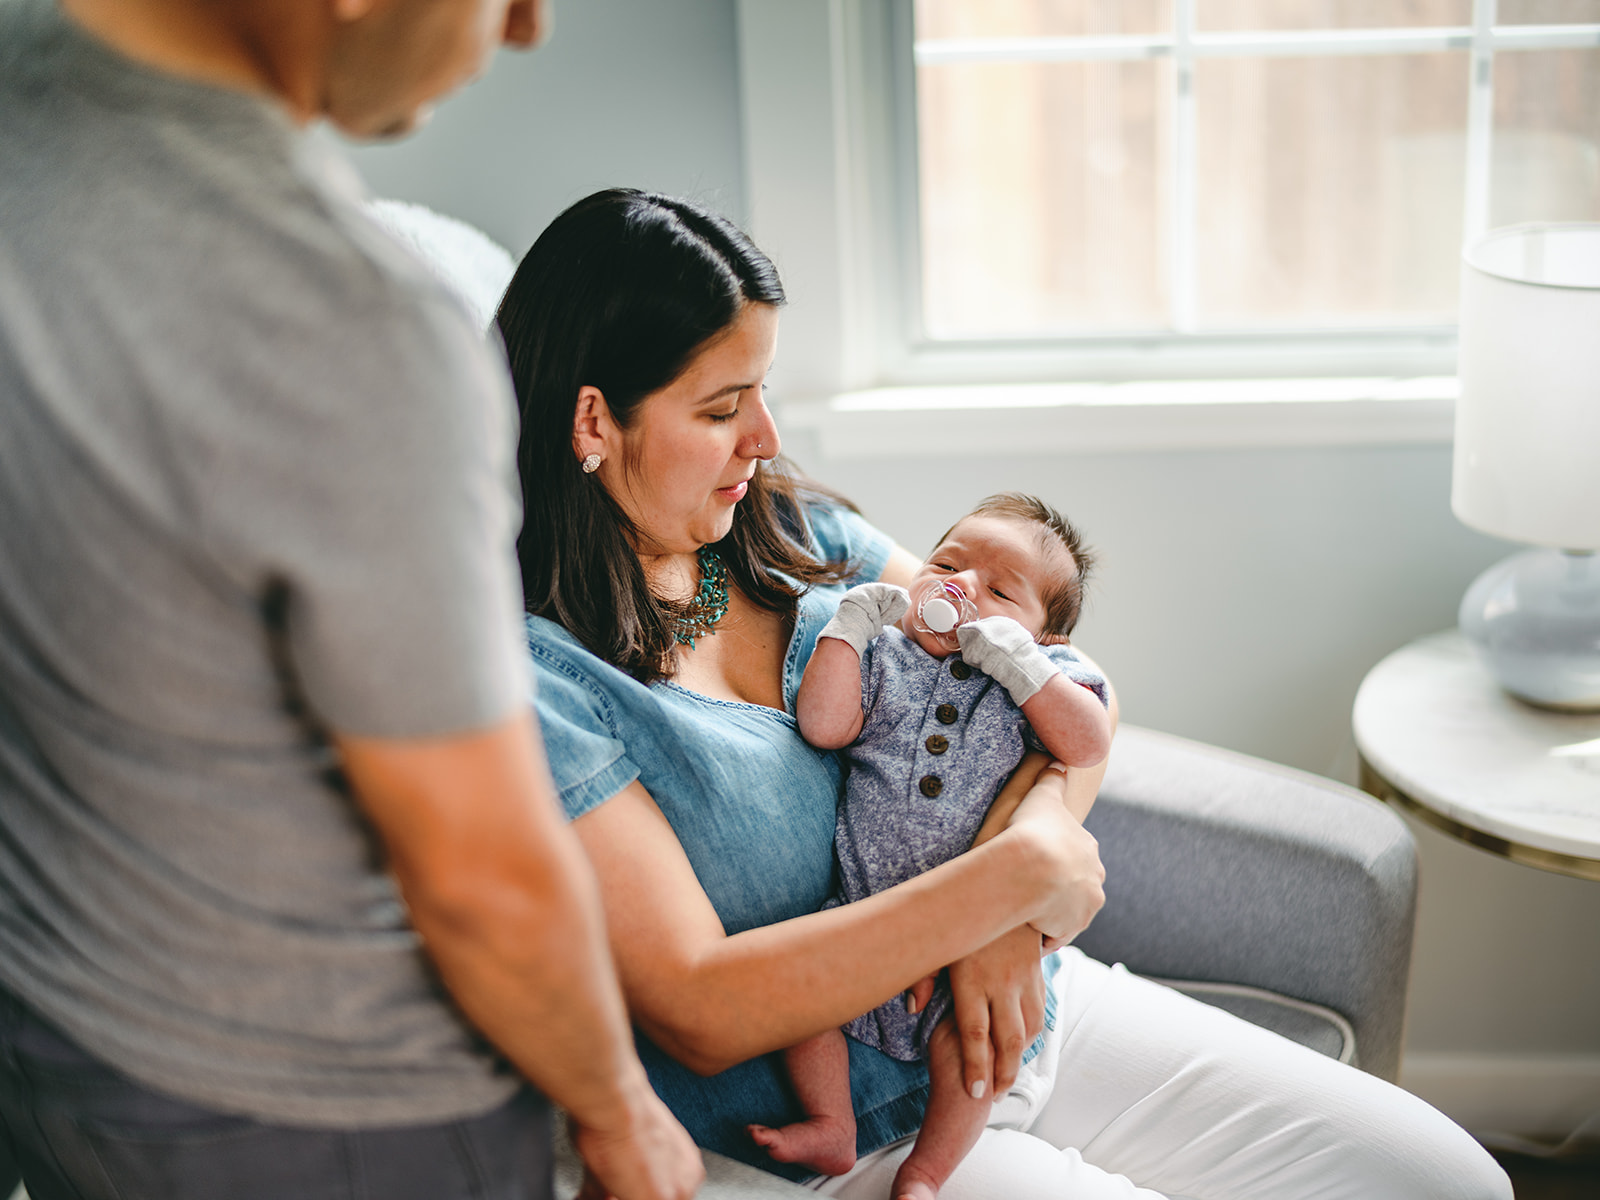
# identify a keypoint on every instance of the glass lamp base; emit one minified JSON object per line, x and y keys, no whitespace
{"x":1535,"y":619}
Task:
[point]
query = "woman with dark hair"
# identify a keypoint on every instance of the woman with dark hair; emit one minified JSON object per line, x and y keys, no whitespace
{"x":677,"y":574}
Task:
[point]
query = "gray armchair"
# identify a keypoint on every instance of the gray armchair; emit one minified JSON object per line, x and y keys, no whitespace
{"x":1282,"y":897}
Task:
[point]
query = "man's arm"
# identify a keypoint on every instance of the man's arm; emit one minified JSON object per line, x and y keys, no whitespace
{"x":508,"y":910}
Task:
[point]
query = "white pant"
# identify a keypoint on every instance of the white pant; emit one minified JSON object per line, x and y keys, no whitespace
{"x":1142,"y":1092}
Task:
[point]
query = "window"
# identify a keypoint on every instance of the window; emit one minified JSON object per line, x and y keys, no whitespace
{"x":1181,"y":167}
{"x":1076,"y":206}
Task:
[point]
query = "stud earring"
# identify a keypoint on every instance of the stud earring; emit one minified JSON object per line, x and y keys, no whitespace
{"x":591,"y":464}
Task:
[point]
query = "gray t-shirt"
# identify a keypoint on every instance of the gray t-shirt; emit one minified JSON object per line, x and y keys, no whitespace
{"x":256,"y":484}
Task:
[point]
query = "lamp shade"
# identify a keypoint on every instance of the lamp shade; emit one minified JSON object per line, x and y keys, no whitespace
{"x":1527,"y":439}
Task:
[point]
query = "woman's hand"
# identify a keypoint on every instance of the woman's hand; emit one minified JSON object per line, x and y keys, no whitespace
{"x":999,"y":994}
{"x":1072,"y":874}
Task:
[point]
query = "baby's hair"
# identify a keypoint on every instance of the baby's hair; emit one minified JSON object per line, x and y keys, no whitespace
{"x":1063,"y":602}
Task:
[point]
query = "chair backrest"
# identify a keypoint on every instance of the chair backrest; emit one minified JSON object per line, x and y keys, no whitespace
{"x":464,"y":258}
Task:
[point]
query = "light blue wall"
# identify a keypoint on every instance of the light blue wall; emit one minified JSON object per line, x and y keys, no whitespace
{"x":626,"y":93}
{"x":1242,"y":594}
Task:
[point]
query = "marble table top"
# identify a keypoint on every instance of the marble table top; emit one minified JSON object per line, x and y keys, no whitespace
{"x":1431,"y":723}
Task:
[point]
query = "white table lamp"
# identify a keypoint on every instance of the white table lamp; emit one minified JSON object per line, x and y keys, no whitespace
{"x":1527,"y":456}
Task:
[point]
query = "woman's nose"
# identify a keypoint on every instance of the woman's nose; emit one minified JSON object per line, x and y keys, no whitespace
{"x":761,"y":434}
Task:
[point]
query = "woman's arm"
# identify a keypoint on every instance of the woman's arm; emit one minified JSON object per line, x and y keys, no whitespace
{"x":711,"y":1000}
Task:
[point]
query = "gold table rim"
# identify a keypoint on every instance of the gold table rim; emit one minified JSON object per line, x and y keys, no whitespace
{"x":1374,"y":784}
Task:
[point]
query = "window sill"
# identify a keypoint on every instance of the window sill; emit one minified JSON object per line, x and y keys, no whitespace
{"x":1117,"y":418}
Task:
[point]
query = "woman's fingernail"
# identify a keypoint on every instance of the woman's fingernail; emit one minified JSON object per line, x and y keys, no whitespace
{"x":911,"y":1003}
{"x":978,"y":1090}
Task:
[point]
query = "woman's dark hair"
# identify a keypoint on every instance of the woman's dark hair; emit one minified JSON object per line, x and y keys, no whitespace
{"x":620,"y":293}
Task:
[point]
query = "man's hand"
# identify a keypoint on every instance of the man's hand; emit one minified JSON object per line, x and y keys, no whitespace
{"x":864,"y":611}
{"x":651,"y":1158}
{"x":1007,"y":653}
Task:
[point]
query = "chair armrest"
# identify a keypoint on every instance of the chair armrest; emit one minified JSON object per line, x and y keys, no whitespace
{"x":1226,"y":868}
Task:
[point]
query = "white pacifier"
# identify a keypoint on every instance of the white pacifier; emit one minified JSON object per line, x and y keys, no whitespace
{"x":942,"y":609}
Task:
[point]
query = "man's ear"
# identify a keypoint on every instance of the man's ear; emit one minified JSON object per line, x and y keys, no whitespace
{"x":593,"y":430}
{"x":528,"y":23}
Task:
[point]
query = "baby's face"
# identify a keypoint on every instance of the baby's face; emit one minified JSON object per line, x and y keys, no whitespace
{"x":1004,"y":565}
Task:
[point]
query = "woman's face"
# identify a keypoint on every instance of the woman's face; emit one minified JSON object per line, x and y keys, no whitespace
{"x":686,"y":461}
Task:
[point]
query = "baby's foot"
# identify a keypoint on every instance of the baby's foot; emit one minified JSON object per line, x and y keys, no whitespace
{"x":826,"y":1144}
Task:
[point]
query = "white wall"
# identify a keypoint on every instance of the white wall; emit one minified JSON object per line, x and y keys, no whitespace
{"x":1241,"y":597}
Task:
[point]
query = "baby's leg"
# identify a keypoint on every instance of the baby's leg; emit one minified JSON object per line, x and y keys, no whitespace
{"x":819,"y":1068}
{"x":951,"y":1125}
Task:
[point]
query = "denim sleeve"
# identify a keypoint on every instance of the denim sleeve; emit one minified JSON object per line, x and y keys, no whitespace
{"x":842,"y":534}
{"x":588,"y":761}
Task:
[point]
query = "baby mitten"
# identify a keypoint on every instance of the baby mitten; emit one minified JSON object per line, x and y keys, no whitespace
{"x":864,"y":611}
{"x":1007,"y":653}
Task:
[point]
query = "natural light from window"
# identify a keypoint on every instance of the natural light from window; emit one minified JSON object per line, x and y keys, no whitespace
{"x":1103,"y":167}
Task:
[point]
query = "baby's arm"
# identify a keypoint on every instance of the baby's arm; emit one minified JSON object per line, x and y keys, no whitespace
{"x":1069,"y":720}
{"x":828,"y":704}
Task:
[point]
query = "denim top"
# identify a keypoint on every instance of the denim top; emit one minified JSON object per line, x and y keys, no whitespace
{"x":754,"y":807}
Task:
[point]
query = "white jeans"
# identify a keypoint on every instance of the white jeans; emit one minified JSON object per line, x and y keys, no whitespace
{"x":1142,"y":1092}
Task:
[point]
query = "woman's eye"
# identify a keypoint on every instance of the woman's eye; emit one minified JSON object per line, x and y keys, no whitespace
{"x":720,"y":418}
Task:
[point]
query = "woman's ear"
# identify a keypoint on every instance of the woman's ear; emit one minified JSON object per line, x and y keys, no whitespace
{"x":592,"y":427}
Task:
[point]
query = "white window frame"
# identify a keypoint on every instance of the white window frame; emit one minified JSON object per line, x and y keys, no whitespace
{"x":831,"y":184}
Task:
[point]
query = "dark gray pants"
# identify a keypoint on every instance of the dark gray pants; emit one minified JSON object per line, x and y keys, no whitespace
{"x":78,"y":1130}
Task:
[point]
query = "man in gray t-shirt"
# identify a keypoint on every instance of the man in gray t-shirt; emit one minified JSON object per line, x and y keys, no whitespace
{"x":263,"y":720}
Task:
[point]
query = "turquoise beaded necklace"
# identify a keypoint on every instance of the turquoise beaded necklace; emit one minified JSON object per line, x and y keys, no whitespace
{"x":710,"y":603}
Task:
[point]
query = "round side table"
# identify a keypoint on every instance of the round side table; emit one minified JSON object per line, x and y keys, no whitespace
{"x":1438,"y":737}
